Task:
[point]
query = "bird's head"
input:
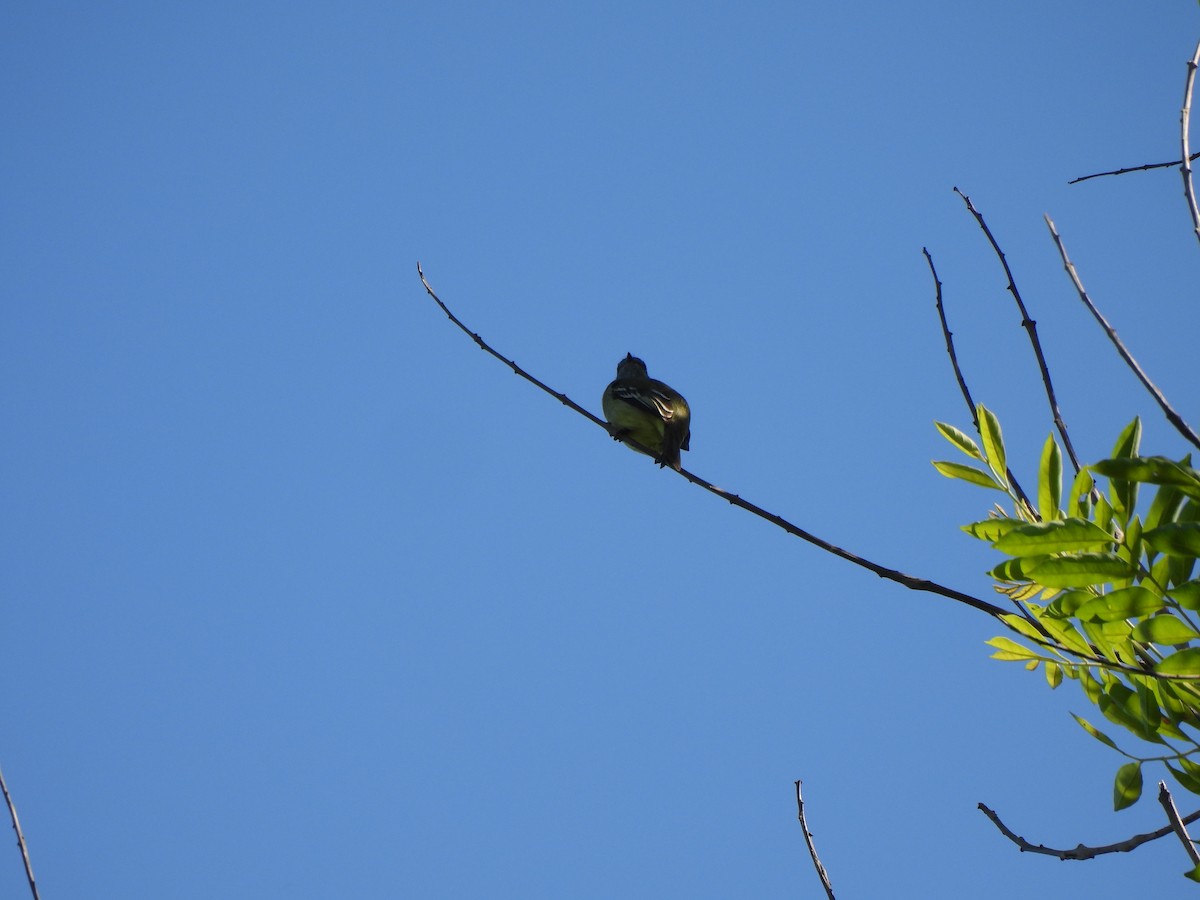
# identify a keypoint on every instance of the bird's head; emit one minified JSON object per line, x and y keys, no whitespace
{"x":631,"y":367}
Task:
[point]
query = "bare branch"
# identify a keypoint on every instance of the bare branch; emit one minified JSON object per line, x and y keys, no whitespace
{"x":12,"y":812}
{"x":1082,"y":851}
{"x":812,"y":849}
{"x":911,"y":582}
{"x":1030,"y":327}
{"x":1172,"y":416}
{"x":1177,"y":824}
{"x":1189,"y":189}
{"x":962,"y":382}
{"x":1146,"y":168}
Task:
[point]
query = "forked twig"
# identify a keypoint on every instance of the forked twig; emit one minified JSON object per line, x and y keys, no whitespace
{"x":1189,"y":189}
{"x":908,"y":581}
{"x":1169,"y":411}
{"x":1177,"y":824}
{"x":1146,"y":168}
{"x":16,"y":824}
{"x":812,"y":849}
{"x":1082,"y":851}
{"x":962,"y":382}
{"x":1030,"y":327}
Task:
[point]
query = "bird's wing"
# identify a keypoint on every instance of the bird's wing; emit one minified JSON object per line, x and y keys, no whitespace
{"x":649,"y":399}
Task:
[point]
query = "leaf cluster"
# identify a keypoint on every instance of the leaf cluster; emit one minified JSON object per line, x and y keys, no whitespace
{"x":1106,"y":596}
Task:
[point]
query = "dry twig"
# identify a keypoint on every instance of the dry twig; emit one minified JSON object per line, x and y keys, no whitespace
{"x":1189,"y":189}
{"x":1172,"y":416}
{"x":16,"y":823}
{"x":1145,"y":168}
{"x":1030,"y":327}
{"x":1177,"y":824}
{"x":812,"y":849}
{"x":1082,"y":851}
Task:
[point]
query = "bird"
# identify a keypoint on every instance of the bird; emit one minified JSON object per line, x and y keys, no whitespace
{"x":647,"y":411}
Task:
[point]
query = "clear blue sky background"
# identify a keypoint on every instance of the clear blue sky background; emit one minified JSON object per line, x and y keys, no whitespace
{"x":306,"y":597}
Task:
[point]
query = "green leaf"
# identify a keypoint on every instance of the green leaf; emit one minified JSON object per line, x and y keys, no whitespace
{"x":1186,"y":595}
{"x":1095,"y":732}
{"x":991,"y":530}
{"x":966,"y":473}
{"x":1152,"y":470}
{"x":1010,"y":650}
{"x":1165,"y":629}
{"x":1054,"y":675}
{"x":1046,"y":538}
{"x":1079,"y":500}
{"x":1164,"y":507}
{"x":1182,"y":662}
{"x":1175,"y":539}
{"x":1127,"y":603}
{"x":1050,"y":480}
{"x":1189,"y":782}
{"x":1080,"y":571}
{"x":993,"y":443}
{"x":960,"y":440}
{"x":1012,"y":571}
{"x":1127,"y":787}
{"x":1193,"y":874}
{"x":1123,"y":492}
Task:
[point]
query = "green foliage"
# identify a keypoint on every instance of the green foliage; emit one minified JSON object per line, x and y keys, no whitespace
{"x":1118,"y":601}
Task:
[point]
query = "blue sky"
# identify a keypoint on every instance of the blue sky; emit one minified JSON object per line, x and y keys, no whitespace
{"x":306,"y":597}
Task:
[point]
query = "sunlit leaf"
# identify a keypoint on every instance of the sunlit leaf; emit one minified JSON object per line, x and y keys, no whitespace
{"x":1050,"y":480}
{"x":1127,"y":603}
{"x":1078,"y":501}
{"x":991,"y":530}
{"x":1152,"y":470}
{"x":1186,"y":595}
{"x":1080,"y":571}
{"x":1054,"y":674}
{"x":1046,"y":538}
{"x":1182,"y":662}
{"x":993,"y":443}
{"x":966,"y":473}
{"x":1095,"y":732}
{"x":1165,"y":629}
{"x":1175,"y":539}
{"x":960,"y":440}
{"x":1009,"y":650}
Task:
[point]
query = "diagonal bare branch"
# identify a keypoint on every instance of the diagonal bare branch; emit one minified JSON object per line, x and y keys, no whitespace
{"x":1177,"y":824}
{"x":16,"y":824}
{"x":1082,"y":851}
{"x":1189,"y":188}
{"x":909,"y":581}
{"x":812,"y":849}
{"x":1169,"y":411}
{"x":1030,"y":327}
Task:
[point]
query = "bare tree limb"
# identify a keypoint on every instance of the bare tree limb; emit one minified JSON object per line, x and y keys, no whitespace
{"x":962,"y":382}
{"x":911,"y":582}
{"x":1172,"y":416}
{"x":1146,"y":168}
{"x":1030,"y":327}
{"x":812,"y":849}
{"x":12,"y":812}
{"x":1189,"y":189}
{"x":1177,"y":824}
{"x":1082,"y":851}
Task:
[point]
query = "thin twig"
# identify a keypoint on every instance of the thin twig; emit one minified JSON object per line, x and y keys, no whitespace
{"x":812,"y":849}
{"x":1082,"y":851}
{"x":1189,"y":189}
{"x":12,"y":812}
{"x":962,"y":382}
{"x":1146,"y":168}
{"x":909,"y":581}
{"x":1030,"y":327}
{"x":1172,"y":416}
{"x":1177,"y":824}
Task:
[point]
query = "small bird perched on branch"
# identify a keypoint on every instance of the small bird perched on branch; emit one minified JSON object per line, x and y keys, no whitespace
{"x":647,"y":411}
